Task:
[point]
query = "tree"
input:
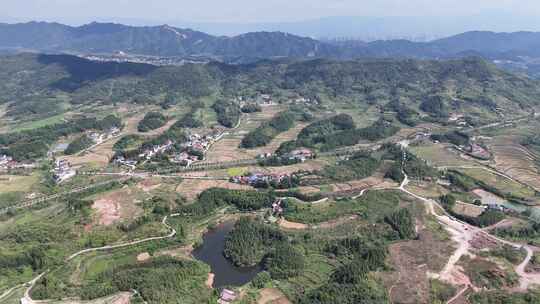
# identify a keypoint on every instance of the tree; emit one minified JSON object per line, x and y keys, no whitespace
{"x":284,"y":262}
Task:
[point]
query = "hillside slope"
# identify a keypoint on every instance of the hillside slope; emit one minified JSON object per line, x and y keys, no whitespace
{"x":155,"y":41}
{"x":28,"y":81}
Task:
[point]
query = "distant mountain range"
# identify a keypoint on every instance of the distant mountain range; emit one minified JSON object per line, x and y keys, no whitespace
{"x":517,"y":50}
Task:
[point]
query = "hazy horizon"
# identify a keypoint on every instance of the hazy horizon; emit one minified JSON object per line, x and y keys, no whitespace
{"x":386,"y":19}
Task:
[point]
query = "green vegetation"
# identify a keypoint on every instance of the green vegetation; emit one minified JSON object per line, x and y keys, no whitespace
{"x":455,"y":137}
{"x":358,"y":166}
{"x":503,"y":297}
{"x":487,"y":274}
{"x":351,"y":282}
{"x":529,"y":232}
{"x":251,"y":108}
{"x":128,"y":142}
{"x":79,"y":144}
{"x":152,"y":121}
{"x":190,"y":120}
{"x":509,"y":253}
{"x":404,"y":114}
{"x":321,"y":131}
{"x":264,"y":134}
{"x":487,"y":218}
{"x":212,"y":199}
{"x":441,"y":292}
{"x":284,"y":261}
{"x":436,"y":106}
{"x":228,"y":113}
{"x":160,"y":280}
{"x":402,"y":222}
{"x":462,"y":181}
{"x":373,"y":205}
{"x":34,"y":144}
{"x":441,"y":86}
{"x":250,"y":241}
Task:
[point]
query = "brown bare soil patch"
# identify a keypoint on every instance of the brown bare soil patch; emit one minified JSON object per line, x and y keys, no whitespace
{"x":283,"y":223}
{"x":468,"y":209}
{"x":191,"y":188}
{"x":272,"y":296}
{"x":480,"y":241}
{"x":116,"y":206}
{"x":149,"y":184}
{"x":426,"y":189}
{"x":180,"y":252}
{"x":414,"y":261}
{"x":210,"y":280}
{"x":108,"y":211}
{"x":142,"y":257}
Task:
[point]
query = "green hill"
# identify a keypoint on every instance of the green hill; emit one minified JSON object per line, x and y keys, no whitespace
{"x":433,"y":89}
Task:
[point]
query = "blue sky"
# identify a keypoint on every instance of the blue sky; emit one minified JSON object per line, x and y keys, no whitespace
{"x":241,"y":11}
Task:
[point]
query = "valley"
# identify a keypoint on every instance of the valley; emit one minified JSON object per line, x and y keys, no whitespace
{"x":399,"y":181}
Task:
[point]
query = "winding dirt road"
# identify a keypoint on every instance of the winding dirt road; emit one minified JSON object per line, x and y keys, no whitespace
{"x":27,"y":299}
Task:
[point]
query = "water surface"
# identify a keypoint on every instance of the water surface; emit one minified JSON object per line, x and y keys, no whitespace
{"x":211,"y":252}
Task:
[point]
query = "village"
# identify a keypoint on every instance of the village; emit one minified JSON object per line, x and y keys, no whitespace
{"x":62,"y":171}
{"x":190,"y":151}
{"x":99,"y":138}
{"x":8,"y":163}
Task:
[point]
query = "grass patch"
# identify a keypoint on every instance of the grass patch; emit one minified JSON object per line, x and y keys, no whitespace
{"x":237,"y":171}
{"x":372,"y":206}
{"x":440,"y":292}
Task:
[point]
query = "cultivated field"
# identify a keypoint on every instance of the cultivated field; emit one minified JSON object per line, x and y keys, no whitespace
{"x":439,"y":155}
{"x":191,"y":188}
{"x":515,"y":160}
{"x":228,"y":149}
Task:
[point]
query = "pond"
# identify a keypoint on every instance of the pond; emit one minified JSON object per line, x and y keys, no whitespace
{"x":211,"y":253}
{"x":490,"y":198}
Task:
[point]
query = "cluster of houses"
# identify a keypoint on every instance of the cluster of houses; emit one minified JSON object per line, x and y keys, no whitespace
{"x":146,"y":154}
{"x":98,"y":138}
{"x":277,"y":208}
{"x":458,"y":119}
{"x":192,"y":149}
{"x":156,"y":149}
{"x":305,"y":100}
{"x":8,"y":163}
{"x":63,"y":171}
{"x":195,"y":146}
{"x":478,"y":151}
{"x":262,"y":99}
{"x":298,"y":155}
{"x":254,"y":179}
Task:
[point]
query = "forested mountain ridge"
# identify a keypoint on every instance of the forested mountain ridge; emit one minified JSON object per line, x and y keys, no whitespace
{"x":156,"y":41}
{"x":471,"y":84}
{"x":106,"y":38}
